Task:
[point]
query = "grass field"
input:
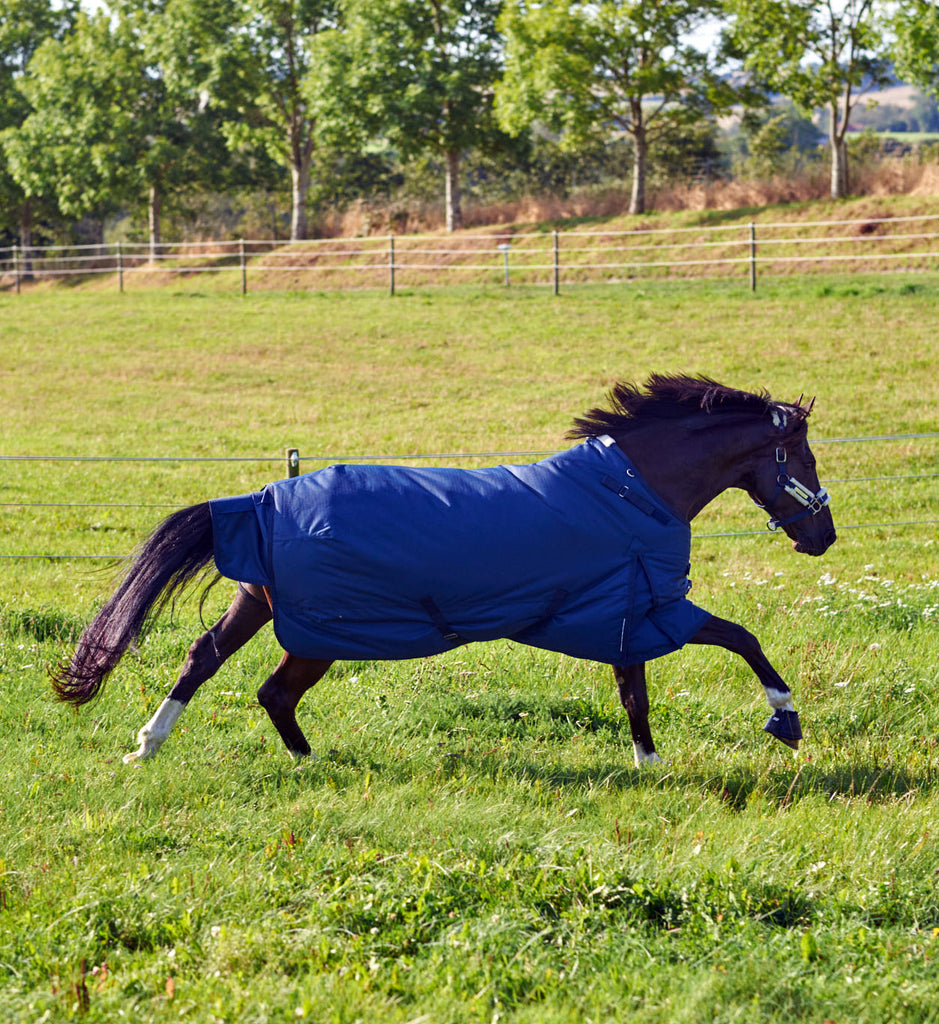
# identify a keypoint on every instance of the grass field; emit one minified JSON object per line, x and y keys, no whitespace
{"x":473,"y":843}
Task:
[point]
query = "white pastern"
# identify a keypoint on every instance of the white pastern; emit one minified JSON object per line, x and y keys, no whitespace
{"x":644,"y":756}
{"x":153,"y":735}
{"x":779,"y":700}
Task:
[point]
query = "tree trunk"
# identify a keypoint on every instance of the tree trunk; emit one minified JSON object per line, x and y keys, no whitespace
{"x":300,"y":180}
{"x":637,"y":201}
{"x":454,"y":211}
{"x":154,"y":210}
{"x":839,"y":153}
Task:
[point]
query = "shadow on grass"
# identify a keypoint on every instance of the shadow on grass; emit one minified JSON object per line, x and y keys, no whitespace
{"x":736,"y":789}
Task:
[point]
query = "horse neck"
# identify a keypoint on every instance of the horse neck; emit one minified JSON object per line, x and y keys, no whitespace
{"x":688,"y":463}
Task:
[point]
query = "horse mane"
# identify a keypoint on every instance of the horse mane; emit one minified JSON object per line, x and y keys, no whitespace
{"x":672,"y":396}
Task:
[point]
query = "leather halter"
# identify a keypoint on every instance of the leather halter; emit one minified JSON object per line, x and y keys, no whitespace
{"x":812,"y":501}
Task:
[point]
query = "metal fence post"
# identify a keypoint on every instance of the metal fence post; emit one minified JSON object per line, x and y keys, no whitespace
{"x":244,"y":267}
{"x":293,"y":462}
{"x":391,"y":264}
{"x":752,"y":256}
{"x":557,"y":265}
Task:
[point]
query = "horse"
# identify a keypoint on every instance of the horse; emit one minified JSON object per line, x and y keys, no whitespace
{"x":586,"y":552}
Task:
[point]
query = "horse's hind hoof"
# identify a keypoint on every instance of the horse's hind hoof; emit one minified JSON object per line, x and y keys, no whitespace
{"x":784,"y":725}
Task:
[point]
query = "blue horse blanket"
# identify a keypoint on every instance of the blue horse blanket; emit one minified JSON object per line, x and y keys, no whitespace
{"x":573,"y":554}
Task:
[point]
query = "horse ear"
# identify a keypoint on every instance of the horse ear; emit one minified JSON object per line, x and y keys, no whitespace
{"x":810,"y":406}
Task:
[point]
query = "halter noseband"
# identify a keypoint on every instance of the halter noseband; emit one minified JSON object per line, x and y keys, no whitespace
{"x":812,"y":501}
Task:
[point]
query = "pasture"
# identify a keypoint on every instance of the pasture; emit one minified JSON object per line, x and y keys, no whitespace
{"x":473,"y":842}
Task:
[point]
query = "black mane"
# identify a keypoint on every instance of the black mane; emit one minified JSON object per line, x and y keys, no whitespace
{"x":671,"y":396}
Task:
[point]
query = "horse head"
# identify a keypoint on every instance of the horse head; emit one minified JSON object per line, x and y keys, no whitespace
{"x":783,"y":480}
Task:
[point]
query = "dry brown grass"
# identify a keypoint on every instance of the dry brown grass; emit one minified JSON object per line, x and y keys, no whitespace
{"x":889,"y":176}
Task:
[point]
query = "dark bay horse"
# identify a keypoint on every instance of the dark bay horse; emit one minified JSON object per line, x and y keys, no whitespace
{"x":584,"y":553}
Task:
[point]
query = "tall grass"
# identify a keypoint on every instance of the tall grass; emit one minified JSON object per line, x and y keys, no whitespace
{"x":473,"y":843}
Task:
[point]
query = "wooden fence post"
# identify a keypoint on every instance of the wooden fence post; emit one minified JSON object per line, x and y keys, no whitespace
{"x":752,"y":256}
{"x":293,"y":462}
{"x":16,"y":267}
{"x":391,"y":264}
{"x":557,"y":265}
{"x":244,"y":267}
{"x":120,"y":268}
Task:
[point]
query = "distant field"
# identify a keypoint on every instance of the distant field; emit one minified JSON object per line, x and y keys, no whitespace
{"x":474,"y":843}
{"x":912,"y":138}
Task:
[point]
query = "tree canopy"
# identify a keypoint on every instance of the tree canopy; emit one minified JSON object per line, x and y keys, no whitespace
{"x":582,"y":69}
{"x":818,"y":53}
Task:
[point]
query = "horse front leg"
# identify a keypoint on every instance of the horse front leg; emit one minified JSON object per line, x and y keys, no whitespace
{"x":634,"y":696}
{"x":245,"y":616}
{"x":784,"y":721}
{"x":281,"y":693}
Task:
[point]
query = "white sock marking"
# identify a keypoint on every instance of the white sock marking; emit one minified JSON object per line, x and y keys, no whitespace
{"x":153,"y":735}
{"x":644,"y":756}
{"x":779,"y":700}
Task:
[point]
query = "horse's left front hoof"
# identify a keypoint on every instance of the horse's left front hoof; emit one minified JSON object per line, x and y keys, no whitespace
{"x":784,"y":725}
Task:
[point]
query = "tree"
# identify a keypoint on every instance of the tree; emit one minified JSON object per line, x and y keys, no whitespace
{"x":817,"y":53}
{"x":117,"y":111}
{"x":585,"y":69}
{"x":283,"y":80}
{"x":24,"y":26}
{"x":422,"y":72}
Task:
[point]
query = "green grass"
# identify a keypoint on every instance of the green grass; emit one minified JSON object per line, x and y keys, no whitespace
{"x":474,"y":843}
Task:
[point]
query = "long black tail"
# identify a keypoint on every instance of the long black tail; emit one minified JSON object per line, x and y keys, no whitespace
{"x":177,"y":553}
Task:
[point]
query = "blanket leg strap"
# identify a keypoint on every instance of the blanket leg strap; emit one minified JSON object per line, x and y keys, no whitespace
{"x":446,"y":630}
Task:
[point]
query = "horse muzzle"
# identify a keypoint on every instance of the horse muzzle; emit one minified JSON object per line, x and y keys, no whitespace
{"x":815,"y":548}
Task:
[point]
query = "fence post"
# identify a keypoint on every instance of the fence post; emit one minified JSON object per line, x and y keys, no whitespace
{"x":391,"y":264}
{"x":16,"y":267}
{"x":557,"y":265}
{"x":293,"y":462}
{"x":244,"y":267}
{"x":120,"y":267}
{"x":752,"y":256}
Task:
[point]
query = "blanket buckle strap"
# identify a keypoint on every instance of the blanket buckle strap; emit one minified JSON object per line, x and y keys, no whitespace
{"x":446,"y":630}
{"x":622,"y":490}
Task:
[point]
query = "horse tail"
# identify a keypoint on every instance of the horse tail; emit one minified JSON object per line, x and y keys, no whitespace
{"x":178,"y":552}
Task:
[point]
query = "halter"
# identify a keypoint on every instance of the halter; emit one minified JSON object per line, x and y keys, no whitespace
{"x":813,"y":501}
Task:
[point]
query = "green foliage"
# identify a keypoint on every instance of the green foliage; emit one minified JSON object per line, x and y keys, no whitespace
{"x":584,"y":69}
{"x":421,"y":76}
{"x":773,"y":140}
{"x":24,"y":26}
{"x":424,"y":73}
{"x":815,"y":54}
{"x":915,"y":24}
{"x":809,"y":51}
{"x":279,"y":85}
{"x":115,"y":110}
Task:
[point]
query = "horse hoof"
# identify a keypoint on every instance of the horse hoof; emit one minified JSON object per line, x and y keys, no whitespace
{"x":784,"y":725}
{"x":145,"y":752}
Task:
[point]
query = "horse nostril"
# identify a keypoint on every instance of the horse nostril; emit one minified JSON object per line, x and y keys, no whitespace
{"x":830,"y":538}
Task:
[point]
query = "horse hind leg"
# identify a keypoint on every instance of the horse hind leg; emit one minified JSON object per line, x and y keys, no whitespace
{"x":281,"y":693}
{"x":248,"y":612}
{"x":634,"y":696}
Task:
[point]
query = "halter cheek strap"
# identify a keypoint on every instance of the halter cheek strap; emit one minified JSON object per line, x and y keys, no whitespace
{"x":812,"y":501}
